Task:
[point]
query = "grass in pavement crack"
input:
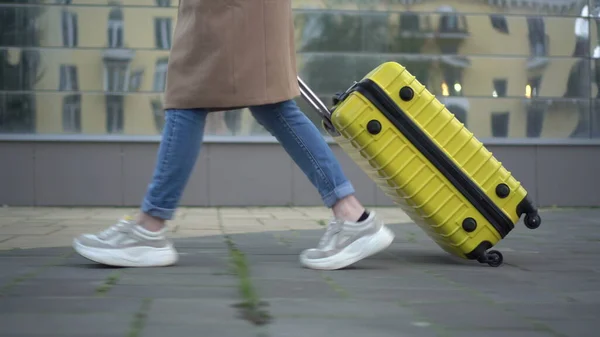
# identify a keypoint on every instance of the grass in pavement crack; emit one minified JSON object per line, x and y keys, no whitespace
{"x":140,"y":318}
{"x":336,"y":287}
{"x":110,"y":281}
{"x":21,"y":278}
{"x":252,"y":308}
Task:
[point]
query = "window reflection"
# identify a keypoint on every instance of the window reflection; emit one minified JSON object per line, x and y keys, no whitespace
{"x":116,"y":76}
{"x":72,"y":113}
{"x":500,"y":121}
{"x":410,"y":22}
{"x":158,"y":114}
{"x":503,"y":71}
{"x":499,"y":23}
{"x":68,"y":78}
{"x":114,"y":113}
{"x":71,"y":110}
{"x":135,"y":80}
{"x":535,"y":111}
{"x":451,"y":21}
{"x":160,"y":74}
{"x":162,"y":27}
{"x":69,"y":28}
{"x":538,"y":39}
{"x":19,"y":68}
{"x":451,"y":84}
{"x":115,"y":28}
{"x":499,"y":88}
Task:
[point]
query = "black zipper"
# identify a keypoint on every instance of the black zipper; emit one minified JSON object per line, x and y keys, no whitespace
{"x":501,"y":222}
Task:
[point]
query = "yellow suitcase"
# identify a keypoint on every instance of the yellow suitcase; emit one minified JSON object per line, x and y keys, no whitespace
{"x":427,"y":162}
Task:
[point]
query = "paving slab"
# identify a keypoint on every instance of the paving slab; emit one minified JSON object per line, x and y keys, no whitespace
{"x":398,"y":326}
{"x":407,"y":280}
{"x":40,"y":324}
{"x":574,"y":327}
{"x":173,"y":292}
{"x":37,"y":252}
{"x":499,"y":333}
{"x":37,"y":288}
{"x":548,"y":286}
{"x":470,"y":314}
{"x":193,"y":310}
{"x":204,"y":329}
{"x":77,"y":305}
{"x":314,"y":289}
{"x":198,"y":280}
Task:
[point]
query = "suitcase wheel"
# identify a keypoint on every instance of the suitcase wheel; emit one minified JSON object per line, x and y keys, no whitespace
{"x":493,"y":258}
{"x":532,"y":220}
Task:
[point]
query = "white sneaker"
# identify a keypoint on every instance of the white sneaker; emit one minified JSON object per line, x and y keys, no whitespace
{"x":127,"y":244}
{"x":345,"y":243}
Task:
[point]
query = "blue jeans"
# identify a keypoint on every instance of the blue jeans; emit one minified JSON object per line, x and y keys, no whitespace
{"x":182,"y":139}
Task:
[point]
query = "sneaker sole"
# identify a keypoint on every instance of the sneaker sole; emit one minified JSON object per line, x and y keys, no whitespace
{"x":128,"y":257}
{"x":356,"y":251}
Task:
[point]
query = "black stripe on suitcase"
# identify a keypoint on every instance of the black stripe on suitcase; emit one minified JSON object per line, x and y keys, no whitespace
{"x":502,"y":223}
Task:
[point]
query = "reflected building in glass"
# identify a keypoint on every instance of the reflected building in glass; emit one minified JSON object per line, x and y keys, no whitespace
{"x":518,"y":69}
{"x":507,"y":69}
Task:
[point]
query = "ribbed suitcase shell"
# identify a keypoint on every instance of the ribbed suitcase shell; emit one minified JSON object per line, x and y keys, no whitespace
{"x":410,"y":179}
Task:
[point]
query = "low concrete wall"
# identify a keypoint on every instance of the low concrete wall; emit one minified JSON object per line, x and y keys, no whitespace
{"x":250,"y":174}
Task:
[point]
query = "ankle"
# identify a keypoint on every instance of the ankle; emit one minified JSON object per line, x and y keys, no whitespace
{"x":349,"y":209}
{"x":151,"y":223}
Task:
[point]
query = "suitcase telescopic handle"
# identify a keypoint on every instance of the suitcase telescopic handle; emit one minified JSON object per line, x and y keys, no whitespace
{"x":314,"y":100}
{"x":317,"y":104}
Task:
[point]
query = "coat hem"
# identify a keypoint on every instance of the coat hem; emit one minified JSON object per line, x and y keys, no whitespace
{"x":230,"y":106}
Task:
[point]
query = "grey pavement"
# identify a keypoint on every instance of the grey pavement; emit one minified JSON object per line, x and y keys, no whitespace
{"x":549,"y":285}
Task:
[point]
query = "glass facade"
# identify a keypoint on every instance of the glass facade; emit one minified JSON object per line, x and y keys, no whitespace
{"x":526,"y":69}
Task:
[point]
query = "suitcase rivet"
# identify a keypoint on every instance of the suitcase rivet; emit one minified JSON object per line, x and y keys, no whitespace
{"x":406,"y":94}
{"x":502,"y":190}
{"x":469,"y":225}
{"x":374,"y":127}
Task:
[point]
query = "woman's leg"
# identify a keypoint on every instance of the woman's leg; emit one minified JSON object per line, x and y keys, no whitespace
{"x":354,"y":233}
{"x":177,"y":155}
{"x":302,"y":141}
{"x":143,"y":243}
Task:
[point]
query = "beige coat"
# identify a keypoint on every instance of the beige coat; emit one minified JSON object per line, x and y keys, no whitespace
{"x":232,"y":53}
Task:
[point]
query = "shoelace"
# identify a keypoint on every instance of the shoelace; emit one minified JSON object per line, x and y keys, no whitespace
{"x":121,"y":226}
